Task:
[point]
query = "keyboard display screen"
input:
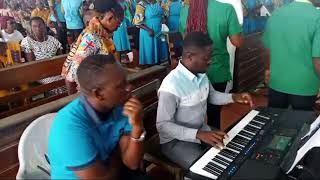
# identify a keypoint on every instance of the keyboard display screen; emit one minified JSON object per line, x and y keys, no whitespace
{"x":279,"y":142}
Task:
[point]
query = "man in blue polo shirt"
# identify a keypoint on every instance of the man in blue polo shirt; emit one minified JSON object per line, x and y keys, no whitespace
{"x":93,"y":135}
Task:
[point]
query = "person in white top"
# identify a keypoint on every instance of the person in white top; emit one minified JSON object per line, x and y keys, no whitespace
{"x":10,"y":34}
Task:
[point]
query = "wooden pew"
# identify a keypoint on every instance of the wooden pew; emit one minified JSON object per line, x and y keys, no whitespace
{"x":249,"y":66}
{"x":175,"y":51}
{"x":13,"y":77}
{"x":134,"y":34}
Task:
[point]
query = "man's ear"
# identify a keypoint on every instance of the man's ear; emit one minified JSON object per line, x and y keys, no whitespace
{"x":97,"y":94}
{"x":189,"y":56}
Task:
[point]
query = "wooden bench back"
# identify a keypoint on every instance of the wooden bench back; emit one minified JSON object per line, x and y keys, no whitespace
{"x":249,"y":66}
{"x":175,"y":47}
{"x":134,"y":34}
{"x":18,"y":75}
{"x":24,"y":74}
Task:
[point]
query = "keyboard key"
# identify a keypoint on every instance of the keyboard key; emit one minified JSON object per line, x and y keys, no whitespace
{"x":230,"y":156}
{"x":216,"y":166}
{"x":224,"y":158}
{"x":216,"y":159}
{"x":262,"y":123}
{"x":236,"y":144}
{"x":211,"y":171}
{"x":233,"y":147}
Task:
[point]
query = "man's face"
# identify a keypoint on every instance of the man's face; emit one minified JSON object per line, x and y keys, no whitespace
{"x":116,"y":91}
{"x":113,"y":21}
{"x":201,"y":59}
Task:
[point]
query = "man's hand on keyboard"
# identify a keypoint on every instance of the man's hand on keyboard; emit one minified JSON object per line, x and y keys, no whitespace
{"x":243,"y":98}
{"x":214,"y":138}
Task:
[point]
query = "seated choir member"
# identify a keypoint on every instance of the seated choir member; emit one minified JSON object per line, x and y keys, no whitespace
{"x":182,"y":107}
{"x":99,"y":135}
{"x":10,"y":32}
{"x":39,"y":45}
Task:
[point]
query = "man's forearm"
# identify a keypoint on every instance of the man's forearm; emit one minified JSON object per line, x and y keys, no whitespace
{"x":134,"y":150}
{"x":267,"y":59}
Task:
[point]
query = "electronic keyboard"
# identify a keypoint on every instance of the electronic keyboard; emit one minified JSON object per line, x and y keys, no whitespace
{"x":256,"y":146}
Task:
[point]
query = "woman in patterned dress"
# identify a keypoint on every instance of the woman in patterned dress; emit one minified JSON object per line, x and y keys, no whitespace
{"x":40,"y":46}
{"x":96,"y":38}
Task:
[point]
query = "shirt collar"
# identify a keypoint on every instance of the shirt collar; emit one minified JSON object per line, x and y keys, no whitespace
{"x":89,"y":109}
{"x":189,"y":74}
{"x":186,"y":72}
{"x":94,"y":115}
{"x":304,"y":1}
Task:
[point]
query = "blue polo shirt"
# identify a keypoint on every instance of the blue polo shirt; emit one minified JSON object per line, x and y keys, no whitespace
{"x":72,"y":13}
{"x":79,"y":136}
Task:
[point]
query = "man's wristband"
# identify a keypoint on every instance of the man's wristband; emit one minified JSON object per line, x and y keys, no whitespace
{"x":141,"y":138}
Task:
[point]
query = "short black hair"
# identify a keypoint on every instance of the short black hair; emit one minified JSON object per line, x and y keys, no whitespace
{"x":37,"y":18}
{"x":197,"y":39}
{"x":91,"y":71}
{"x":104,"y":6}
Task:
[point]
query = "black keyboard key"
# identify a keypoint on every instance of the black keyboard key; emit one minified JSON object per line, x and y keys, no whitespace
{"x":233,"y":147}
{"x":232,"y":156}
{"x":206,"y":168}
{"x":251,"y":129}
{"x":227,"y":155}
{"x":256,"y":124}
{"x":252,"y":125}
{"x":231,"y":152}
{"x":260,"y":119}
{"x":220,"y":161}
{"x":224,"y":159}
{"x":241,"y":140}
{"x":246,"y":134}
{"x":237,"y":145}
{"x":216,"y":166}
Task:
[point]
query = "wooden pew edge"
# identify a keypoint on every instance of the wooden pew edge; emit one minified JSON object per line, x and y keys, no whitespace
{"x":144,"y":72}
{"x":32,"y":114}
{"x":33,"y":62}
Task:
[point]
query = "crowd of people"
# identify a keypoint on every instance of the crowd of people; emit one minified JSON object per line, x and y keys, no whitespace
{"x":100,"y":134}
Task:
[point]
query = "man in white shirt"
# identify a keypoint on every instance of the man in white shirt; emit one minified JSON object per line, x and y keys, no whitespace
{"x":10,"y":34}
{"x":182,"y":106}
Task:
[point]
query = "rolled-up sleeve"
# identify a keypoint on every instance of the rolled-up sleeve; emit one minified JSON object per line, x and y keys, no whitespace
{"x":166,"y":123}
{"x":219,"y":98}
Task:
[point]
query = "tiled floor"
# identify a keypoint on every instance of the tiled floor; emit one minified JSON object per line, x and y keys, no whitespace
{"x":230,"y":114}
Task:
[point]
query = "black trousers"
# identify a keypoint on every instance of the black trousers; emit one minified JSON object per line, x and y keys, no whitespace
{"x":282,"y":100}
{"x":128,"y":174}
{"x":62,"y":35}
{"x":214,"y":111}
{"x":73,"y":35}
